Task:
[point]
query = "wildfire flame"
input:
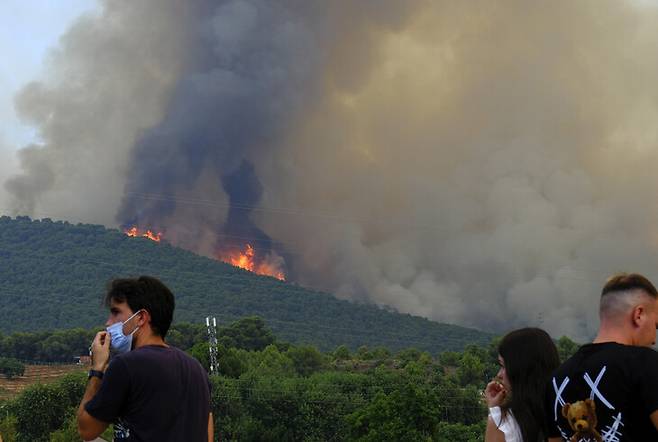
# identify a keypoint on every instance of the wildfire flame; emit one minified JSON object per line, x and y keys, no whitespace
{"x":246,"y":260}
{"x":134,"y":232}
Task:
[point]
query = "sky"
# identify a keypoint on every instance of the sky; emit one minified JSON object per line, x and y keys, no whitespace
{"x":481,"y":163}
{"x":28,"y":29}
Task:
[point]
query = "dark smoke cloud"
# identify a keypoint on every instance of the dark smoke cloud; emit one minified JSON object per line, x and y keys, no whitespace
{"x":485,"y":163}
{"x":256,"y":65}
{"x":252,"y":63}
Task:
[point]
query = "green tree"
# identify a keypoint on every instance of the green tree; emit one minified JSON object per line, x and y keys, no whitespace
{"x":201,"y":351}
{"x":39,"y":410}
{"x":271,"y":362}
{"x":7,"y":426}
{"x":408,"y":355}
{"x":249,"y":333}
{"x":566,"y":348}
{"x":471,"y":370}
{"x":363,"y":353}
{"x":341,"y":353}
{"x":43,"y":409}
{"x":405,"y":414}
{"x":11,"y":367}
{"x":447,"y":432}
{"x":306,"y":359}
{"x":232,"y":362}
{"x":381,"y":353}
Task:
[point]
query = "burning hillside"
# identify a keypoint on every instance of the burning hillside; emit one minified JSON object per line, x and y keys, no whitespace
{"x":246,"y":258}
{"x":135,"y":232}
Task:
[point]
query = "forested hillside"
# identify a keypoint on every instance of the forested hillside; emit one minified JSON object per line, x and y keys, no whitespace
{"x":53,"y":276}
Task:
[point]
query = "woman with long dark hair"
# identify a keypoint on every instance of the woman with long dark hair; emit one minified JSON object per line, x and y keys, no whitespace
{"x":515,"y":398}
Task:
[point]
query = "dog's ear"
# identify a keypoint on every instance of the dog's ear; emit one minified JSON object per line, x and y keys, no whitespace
{"x":565,"y":410}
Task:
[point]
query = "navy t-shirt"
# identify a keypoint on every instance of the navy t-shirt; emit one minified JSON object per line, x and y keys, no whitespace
{"x":154,"y":393}
{"x":621,"y":382}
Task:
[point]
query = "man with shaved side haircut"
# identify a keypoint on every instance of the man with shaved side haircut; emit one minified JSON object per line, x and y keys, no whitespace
{"x":608,"y":390}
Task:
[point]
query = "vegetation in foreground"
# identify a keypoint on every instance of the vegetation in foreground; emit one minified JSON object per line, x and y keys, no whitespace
{"x":267,"y":390}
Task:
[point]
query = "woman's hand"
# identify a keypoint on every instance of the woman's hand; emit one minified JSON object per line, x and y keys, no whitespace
{"x":495,"y":394}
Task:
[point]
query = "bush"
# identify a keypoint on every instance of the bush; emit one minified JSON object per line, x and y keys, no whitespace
{"x":446,"y":432}
{"x":43,"y":409}
{"x":8,"y":427}
{"x":11,"y":367}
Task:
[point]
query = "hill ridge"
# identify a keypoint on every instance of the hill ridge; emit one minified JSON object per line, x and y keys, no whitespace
{"x":74,"y":262}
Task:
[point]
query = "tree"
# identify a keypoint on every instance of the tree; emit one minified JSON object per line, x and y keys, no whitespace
{"x":447,"y":432}
{"x":381,"y":353}
{"x":566,"y":348}
{"x":470,"y":370}
{"x":11,"y":367}
{"x":249,"y":333}
{"x":408,"y":355}
{"x":7,"y":425}
{"x":39,"y":410}
{"x":231,"y":362}
{"x":449,"y":358}
{"x":405,"y":414}
{"x":306,"y":359}
{"x":341,"y":353}
{"x":201,"y":351}
{"x":271,"y":362}
{"x":363,"y":353}
{"x":42,"y":409}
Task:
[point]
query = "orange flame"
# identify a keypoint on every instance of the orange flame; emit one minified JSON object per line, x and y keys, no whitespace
{"x":134,"y":232}
{"x":245,"y":260}
{"x":152,"y":236}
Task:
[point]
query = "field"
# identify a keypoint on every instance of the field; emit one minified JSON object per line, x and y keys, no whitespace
{"x":36,"y":374}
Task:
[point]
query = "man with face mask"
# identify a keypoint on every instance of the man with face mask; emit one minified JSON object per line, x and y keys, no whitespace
{"x":149,"y":390}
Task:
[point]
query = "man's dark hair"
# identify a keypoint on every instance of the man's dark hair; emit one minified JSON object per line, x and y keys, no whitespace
{"x":148,"y":293}
{"x":626,"y":282}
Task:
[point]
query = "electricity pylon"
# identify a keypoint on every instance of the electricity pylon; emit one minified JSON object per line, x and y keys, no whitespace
{"x":212,"y":344}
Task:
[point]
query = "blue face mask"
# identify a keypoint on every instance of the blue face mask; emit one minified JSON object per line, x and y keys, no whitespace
{"x":120,"y":342}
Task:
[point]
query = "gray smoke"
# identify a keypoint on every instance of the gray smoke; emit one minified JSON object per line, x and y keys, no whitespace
{"x":481,"y":163}
{"x":109,"y":79}
{"x":7,"y":167}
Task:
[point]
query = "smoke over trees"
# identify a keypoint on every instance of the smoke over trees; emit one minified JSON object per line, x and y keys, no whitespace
{"x":482,"y":163}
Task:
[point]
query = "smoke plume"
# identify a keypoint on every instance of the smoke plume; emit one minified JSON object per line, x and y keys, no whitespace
{"x":480,"y":163}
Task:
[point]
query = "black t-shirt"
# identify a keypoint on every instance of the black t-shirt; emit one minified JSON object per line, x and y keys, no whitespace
{"x":154,"y":393}
{"x":622,"y":382}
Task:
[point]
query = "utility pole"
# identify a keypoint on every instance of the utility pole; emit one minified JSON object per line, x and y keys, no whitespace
{"x":212,"y":344}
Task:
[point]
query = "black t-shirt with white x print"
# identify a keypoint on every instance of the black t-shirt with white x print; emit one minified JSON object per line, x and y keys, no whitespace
{"x":605,"y":392}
